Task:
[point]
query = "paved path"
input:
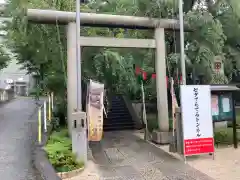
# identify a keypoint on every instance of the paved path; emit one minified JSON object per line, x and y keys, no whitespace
{"x":124,"y":156}
{"x":17,"y":135}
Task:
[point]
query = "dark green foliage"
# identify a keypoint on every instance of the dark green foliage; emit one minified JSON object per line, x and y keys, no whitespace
{"x":41,"y":49}
{"x":223,"y":136}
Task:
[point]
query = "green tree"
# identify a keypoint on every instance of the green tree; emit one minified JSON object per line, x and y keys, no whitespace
{"x":42,"y":48}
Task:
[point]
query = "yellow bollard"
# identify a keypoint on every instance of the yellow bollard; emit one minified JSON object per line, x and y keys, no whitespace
{"x":39,"y":125}
{"x":49,"y":108}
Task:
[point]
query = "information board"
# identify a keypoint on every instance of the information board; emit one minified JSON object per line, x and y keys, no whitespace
{"x":197,"y":119}
{"x":222,"y":107}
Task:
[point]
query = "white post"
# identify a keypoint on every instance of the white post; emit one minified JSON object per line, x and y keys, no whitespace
{"x":45,"y":115}
{"x":52,"y":100}
{"x":71,"y":74}
{"x":78,"y":57}
{"x":144,"y":112}
{"x":183,"y":68}
{"x":15,"y":88}
{"x":49,"y":108}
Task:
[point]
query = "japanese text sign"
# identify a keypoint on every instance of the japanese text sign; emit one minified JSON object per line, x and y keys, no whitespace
{"x":197,"y":119}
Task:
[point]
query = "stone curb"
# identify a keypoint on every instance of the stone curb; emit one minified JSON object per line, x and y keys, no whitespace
{"x":44,"y":166}
{"x":70,"y":174}
{"x":41,"y":162}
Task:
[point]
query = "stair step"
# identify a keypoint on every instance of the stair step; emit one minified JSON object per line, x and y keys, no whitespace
{"x":118,"y":123}
{"x":118,"y":107}
{"x":118,"y":128}
{"x":118,"y":111}
{"x":118,"y":115}
{"x":118,"y":118}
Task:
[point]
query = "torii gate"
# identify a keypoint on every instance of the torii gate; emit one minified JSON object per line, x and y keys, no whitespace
{"x":117,"y":21}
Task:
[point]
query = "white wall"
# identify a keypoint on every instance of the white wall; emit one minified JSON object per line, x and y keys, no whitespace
{"x":13,"y":71}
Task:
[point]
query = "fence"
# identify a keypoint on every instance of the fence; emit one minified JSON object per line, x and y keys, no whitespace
{"x":45,"y":116}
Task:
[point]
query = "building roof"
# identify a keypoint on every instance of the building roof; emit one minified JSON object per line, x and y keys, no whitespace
{"x":224,"y":88}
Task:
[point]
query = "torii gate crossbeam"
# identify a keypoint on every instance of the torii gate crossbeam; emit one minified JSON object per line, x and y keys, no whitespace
{"x":91,"y":19}
{"x":106,"y":20}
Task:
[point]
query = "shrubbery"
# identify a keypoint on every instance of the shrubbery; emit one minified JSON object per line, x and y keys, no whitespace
{"x":59,"y":151}
{"x":223,"y":136}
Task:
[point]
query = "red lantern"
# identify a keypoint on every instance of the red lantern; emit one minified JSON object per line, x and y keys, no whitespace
{"x":154,"y":76}
{"x":144,"y":75}
{"x":138,"y":70}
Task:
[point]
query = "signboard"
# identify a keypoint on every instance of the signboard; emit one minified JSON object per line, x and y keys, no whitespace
{"x":197,"y":119}
{"x":222,"y":107}
{"x":218,"y":64}
{"x":95,"y":110}
{"x":215,"y":105}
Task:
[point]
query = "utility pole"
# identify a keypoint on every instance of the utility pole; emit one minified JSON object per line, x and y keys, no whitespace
{"x":79,"y":136}
{"x":78,"y":57}
{"x":183,"y":68}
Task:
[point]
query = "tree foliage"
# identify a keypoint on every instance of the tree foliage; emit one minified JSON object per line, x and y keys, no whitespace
{"x":4,"y":57}
{"x":42,"y":48}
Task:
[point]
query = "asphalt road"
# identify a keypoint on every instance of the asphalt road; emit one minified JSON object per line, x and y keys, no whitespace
{"x":18,"y":130}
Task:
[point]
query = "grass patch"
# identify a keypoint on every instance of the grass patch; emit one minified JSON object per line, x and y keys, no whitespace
{"x":225,"y":135}
{"x":59,"y":151}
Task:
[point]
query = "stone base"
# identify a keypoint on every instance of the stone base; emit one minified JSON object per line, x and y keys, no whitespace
{"x":173,"y":144}
{"x":222,"y":124}
{"x":161,"y":137}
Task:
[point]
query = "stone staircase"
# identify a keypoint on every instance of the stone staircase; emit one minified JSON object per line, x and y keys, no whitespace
{"x":118,"y":116}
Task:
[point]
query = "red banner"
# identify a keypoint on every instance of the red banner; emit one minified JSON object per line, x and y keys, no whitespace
{"x":198,"y":146}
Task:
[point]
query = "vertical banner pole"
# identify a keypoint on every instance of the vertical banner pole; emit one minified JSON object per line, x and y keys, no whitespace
{"x":39,"y":126}
{"x":45,"y":115}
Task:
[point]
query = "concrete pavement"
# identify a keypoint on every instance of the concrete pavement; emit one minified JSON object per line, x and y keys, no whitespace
{"x":18,"y":132}
{"x":122,"y":156}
